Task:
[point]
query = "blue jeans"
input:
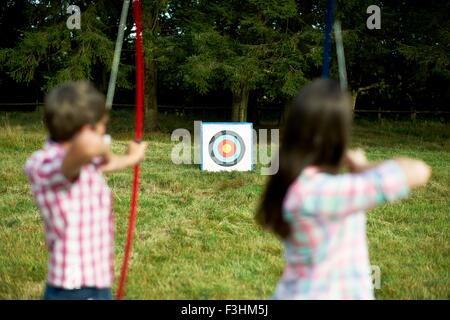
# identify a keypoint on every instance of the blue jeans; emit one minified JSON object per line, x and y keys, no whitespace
{"x":85,"y":293}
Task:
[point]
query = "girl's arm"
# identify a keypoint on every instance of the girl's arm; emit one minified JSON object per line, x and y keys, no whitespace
{"x":366,"y":186}
{"x":417,"y":172}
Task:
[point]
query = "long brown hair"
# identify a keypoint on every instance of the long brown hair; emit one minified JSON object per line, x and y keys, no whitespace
{"x":316,"y":132}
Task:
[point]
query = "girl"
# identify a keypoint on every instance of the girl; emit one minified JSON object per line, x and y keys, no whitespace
{"x":318,"y":211}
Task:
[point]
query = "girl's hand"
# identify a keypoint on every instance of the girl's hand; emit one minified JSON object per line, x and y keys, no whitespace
{"x":355,"y":160}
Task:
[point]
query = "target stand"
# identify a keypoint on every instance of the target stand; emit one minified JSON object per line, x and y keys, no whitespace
{"x":226,"y":146}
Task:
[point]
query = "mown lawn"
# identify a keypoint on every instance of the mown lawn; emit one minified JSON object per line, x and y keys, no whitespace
{"x":195,"y":233}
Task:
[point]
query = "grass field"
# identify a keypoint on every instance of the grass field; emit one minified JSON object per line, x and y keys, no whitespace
{"x":195,"y":233}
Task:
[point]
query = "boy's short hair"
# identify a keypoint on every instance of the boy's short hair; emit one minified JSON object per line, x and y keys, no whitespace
{"x":70,"y":106}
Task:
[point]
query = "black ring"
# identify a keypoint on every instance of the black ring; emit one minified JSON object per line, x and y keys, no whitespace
{"x":220,"y":134}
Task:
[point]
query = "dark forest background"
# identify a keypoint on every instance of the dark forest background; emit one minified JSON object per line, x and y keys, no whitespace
{"x":244,"y":60}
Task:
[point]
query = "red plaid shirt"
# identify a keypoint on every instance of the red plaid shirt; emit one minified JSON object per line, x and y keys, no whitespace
{"x":77,"y":218}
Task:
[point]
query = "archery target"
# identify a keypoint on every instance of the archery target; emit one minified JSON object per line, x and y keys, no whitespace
{"x":226,"y":146}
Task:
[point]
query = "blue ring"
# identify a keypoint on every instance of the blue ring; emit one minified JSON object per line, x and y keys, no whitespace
{"x":213,"y":148}
{"x":216,"y":148}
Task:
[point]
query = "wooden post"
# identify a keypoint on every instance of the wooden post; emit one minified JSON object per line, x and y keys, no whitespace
{"x":37,"y":105}
{"x":413,"y":114}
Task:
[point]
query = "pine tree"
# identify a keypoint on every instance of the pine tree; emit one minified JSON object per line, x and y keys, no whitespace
{"x":49,"y":53}
{"x":242,"y":45}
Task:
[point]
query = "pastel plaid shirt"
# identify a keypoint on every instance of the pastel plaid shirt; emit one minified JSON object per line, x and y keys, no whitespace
{"x":77,"y":218}
{"x":326,"y":254}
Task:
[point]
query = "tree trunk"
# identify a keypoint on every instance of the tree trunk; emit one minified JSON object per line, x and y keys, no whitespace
{"x":150,"y":23}
{"x":354,"y":97}
{"x":104,"y":85}
{"x":150,"y":96}
{"x":285,"y":112}
{"x":240,"y":104}
{"x":235,"y":107}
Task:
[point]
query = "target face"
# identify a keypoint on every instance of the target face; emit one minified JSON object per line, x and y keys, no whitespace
{"x":226,"y":148}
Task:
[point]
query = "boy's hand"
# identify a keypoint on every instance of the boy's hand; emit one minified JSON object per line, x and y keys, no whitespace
{"x":135,"y":154}
{"x":136,"y":151}
{"x":355,"y":160}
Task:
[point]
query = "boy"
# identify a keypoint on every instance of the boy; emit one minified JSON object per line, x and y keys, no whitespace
{"x":73,"y":198}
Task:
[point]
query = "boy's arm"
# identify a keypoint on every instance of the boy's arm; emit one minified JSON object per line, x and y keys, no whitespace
{"x":134,"y":155}
{"x":85,"y":146}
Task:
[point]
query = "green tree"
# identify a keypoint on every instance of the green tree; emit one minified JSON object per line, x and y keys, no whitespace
{"x":154,"y":46}
{"x":234,"y":44}
{"x":49,"y":53}
{"x":397,"y":63}
{"x":264,"y":48}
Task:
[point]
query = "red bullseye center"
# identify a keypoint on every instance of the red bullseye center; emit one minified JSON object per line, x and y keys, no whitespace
{"x":226,"y":148}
